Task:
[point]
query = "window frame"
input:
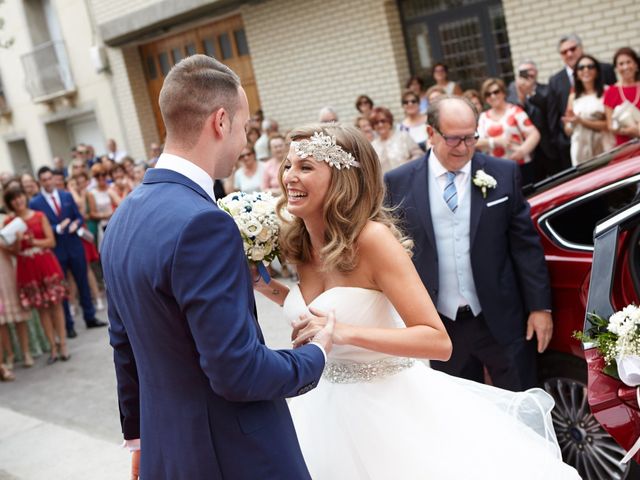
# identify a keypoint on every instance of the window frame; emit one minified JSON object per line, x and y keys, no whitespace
{"x":544,"y":220}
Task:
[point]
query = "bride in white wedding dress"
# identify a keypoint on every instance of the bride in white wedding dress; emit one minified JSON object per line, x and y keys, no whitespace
{"x":378,"y":413}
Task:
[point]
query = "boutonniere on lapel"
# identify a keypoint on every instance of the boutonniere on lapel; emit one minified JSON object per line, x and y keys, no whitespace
{"x":484,"y":180}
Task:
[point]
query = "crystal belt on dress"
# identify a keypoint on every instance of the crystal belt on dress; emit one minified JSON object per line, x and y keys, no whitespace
{"x":353,"y":372}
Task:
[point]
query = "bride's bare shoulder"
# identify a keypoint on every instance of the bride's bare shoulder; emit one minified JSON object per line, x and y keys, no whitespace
{"x":377,"y":237}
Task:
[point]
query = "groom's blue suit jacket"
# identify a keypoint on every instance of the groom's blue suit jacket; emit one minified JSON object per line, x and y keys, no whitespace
{"x":195,"y":381}
{"x":509,"y":270}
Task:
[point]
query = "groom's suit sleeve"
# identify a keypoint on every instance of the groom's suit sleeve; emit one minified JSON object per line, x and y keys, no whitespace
{"x":211,"y":282}
{"x":126,"y":373}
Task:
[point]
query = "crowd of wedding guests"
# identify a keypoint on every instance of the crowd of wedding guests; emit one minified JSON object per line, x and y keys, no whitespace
{"x":587,"y":108}
{"x":51,"y":272}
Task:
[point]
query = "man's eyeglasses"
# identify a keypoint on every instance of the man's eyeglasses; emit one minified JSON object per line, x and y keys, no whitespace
{"x":379,"y":120}
{"x":568,"y":50}
{"x":455,"y":140}
{"x":410,"y":102}
{"x":100,"y":175}
{"x":492,"y":93}
{"x":589,"y":66}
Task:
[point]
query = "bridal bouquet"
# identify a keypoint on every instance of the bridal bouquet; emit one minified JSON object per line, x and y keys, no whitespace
{"x":618,"y":340}
{"x":255,"y":216}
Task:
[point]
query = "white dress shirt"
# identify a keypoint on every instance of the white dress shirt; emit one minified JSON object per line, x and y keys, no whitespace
{"x":462,"y":178}
{"x":188,"y":169}
{"x":569,"y":71}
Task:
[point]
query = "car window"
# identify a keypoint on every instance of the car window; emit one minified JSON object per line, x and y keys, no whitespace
{"x":575,"y":224}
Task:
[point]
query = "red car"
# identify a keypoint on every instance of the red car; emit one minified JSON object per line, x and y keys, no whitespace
{"x":596,"y":418}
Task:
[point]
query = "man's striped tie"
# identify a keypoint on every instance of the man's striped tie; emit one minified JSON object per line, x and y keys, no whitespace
{"x":450,"y":194}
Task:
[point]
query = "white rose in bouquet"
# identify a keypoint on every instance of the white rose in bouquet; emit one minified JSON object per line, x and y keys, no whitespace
{"x":255,"y":216}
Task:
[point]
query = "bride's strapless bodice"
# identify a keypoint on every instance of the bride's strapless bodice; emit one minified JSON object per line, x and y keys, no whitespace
{"x":352,"y":305}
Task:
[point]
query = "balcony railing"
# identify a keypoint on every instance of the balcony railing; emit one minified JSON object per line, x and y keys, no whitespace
{"x":47,"y":72}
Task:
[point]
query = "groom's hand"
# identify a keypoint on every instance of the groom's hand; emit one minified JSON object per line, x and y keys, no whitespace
{"x":135,"y":464}
{"x":318,"y":327}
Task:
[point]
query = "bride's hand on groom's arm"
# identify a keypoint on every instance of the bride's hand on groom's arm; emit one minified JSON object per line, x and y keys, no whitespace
{"x":318,"y":327}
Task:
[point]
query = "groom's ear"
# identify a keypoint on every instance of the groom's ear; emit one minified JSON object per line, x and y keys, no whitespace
{"x":217,"y":121}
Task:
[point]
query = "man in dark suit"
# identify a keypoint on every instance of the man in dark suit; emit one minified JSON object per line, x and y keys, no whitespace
{"x":532,"y":96}
{"x":476,"y":250}
{"x":65,"y":218}
{"x":196,"y":384}
{"x":560,"y":86}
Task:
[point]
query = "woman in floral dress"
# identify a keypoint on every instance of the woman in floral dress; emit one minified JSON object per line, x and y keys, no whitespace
{"x":40,"y":279}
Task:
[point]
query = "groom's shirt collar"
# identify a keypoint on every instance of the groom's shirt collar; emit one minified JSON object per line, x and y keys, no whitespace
{"x":188,"y":169}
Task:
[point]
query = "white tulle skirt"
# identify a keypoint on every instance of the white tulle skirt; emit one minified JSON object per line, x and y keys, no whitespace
{"x":422,"y":424}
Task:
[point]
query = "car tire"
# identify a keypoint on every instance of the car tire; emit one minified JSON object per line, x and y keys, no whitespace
{"x":585,"y":445}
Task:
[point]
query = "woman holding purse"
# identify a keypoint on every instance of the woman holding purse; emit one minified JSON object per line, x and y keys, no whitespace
{"x":584,"y":120}
{"x":622,"y":100}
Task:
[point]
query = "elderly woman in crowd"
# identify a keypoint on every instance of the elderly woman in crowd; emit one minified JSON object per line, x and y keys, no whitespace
{"x":625,"y":125}
{"x":414,"y":122}
{"x":248,"y":176}
{"x":270,"y":182}
{"x":392,"y":146}
{"x":441,"y":79}
{"x":585,"y":121}
{"x":506,"y":131}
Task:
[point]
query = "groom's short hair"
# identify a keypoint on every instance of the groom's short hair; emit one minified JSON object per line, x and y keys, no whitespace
{"x":195,"y":88}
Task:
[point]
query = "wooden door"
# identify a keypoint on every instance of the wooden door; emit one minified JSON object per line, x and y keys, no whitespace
{"x":224,"y":40}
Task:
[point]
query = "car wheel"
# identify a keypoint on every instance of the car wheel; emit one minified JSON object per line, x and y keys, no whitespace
{"x":585,"y":445}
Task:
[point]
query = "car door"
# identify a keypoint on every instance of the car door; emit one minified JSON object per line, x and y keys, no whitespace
{"x":615,"y":283}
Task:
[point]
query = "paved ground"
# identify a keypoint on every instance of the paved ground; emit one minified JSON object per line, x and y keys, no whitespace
{"x":61,"y":422}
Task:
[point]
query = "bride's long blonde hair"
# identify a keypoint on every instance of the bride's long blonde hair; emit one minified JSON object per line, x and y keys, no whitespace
{"x":354,"y":197}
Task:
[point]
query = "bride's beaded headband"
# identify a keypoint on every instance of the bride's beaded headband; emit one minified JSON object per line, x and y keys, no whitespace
{"x":324,"y":148}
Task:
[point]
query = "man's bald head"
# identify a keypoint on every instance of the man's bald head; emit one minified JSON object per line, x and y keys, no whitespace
{"x":452,"y":107}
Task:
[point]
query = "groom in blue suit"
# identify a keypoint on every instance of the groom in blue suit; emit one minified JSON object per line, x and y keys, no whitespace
{"x":476,"y":250}
{"x":196,"y":384}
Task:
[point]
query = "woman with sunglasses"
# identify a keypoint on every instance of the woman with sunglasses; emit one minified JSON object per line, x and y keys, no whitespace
{"x":392,"y":146}
{"x":414,"y":122}
{"x":584,"y":120}
{"x":627,"y":65}
{"x":506,"y":131}
{"x":364,"y":104}
{"x":248,"y":176}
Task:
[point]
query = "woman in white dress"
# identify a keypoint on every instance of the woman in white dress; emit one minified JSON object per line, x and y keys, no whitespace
{"x":377,"y":413}
{"x":585,"y":121}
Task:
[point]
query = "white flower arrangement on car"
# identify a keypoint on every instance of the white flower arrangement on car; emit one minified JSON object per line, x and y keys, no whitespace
{"x":483,"y":180}
{"x":255,"y":216}
{"x":618,"y":341}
